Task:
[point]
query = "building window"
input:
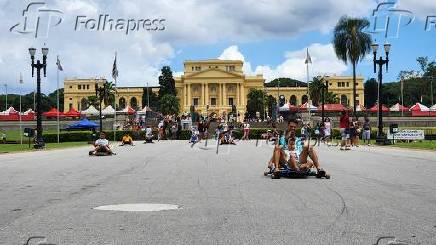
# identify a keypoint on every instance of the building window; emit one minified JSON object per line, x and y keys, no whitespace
{"x":339,"y":84}
{"x":79,"y":86}
{"x":192,"y":68}
{"x":198,"y":68}
{"x":87,"y":86}
{"x":71,"y":98}
{"x":348,"y":84}
{"x":231,"y":68}
{"x":195,"y":102}
{"x":71,"y":86}
{"x":230,"y":101}
{"x":70,"y":106}
{"x":213,"y":101}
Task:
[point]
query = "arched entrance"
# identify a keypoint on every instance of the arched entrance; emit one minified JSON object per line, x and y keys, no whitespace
{"x":344,"y":100}
{"x":304,"y":99}
{"x":83,"y":104}
{"x":293,"y":100}
{"x":134,"y":102}
{"x":122,"y":103}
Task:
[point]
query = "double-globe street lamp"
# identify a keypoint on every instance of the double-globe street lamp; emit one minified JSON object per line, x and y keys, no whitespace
{"x":381,"y":137}
{"x":100,"y":93}
{"x":324,"y":90}
{"x":39,"y":143}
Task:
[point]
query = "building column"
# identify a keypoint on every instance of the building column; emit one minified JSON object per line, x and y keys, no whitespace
{"x":220,"y":95}
{"x":189,"y":99}
{"x":224,"y":95}
{"x":183,"y":102}
{"x":243,"y":97}
{"x":238,"y":97}
{"x":202,"y":95}
{"x":206,"y":94}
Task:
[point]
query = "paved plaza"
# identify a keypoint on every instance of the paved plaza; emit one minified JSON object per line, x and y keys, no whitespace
{"x":222,"y":198}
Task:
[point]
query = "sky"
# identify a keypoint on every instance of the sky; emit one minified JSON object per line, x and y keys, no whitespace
{"x":270,"y":36}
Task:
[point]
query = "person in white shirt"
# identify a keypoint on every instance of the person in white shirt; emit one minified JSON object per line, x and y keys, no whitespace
{"x":101,"y":145}
{"x":246,"y":131}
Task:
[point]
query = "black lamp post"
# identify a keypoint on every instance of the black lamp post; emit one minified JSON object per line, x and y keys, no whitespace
{"x":381,"y":137}
{"x":324,"y":89}
{"x":100,"y":94}
{"x":39,"y":143}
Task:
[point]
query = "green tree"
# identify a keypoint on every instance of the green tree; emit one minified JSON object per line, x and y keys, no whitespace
{"x":271,"y":104}
{"x":331,"y":98}
{"x":255,"y":102}
{"x":169,"y":104}
{"x":53,"y":98}
{"x":370,"y":91}
{"x":351,"y":44}
{"x":285,"y":82}
{"x":166,"y":82}
{"x":109,"y":93}
{"x":315,"y":90}
{"x":92,"y":100}
{"x":153,"y":98}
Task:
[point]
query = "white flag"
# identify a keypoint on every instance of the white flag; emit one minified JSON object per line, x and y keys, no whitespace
{"x":308,"y":59}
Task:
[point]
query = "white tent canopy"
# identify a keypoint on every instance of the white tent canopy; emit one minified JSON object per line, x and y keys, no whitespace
{"x":419,"y":107}
{"x":9,"y":111}
{"x":360,"y":108}
{"x":308,"y":106}
{"x":109,"y":110}
{"x":144,"y":110}
{"x":91,"y":111}
{"x":433,"y":107}
{"x":28,"y":111}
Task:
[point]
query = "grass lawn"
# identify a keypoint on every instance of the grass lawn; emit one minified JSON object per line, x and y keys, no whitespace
{"x":425,"y":144}
{"x":5,"y":148}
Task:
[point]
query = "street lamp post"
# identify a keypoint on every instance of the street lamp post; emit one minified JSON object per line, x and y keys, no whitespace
{"x":324,"y":89}
{"x":99,"y":93}
{"x":381,"y":137}
{"x":39,"y":144}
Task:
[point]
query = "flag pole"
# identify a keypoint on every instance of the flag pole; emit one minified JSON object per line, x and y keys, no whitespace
{"x":402,"y":98}
{"x":21,"y":127}
{"x":115,"y":75}
{"x":57,"y":96}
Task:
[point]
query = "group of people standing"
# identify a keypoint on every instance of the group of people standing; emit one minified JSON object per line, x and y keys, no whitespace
{"x":350,"y":129}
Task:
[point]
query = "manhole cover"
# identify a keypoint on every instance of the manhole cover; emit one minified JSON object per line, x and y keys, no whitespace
{"x":138,"y":207}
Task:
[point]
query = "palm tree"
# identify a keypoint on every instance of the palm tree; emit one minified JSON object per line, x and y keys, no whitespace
{"x":351,"y":44}
{"x":315,"y":90}
{"x":109,"y":93}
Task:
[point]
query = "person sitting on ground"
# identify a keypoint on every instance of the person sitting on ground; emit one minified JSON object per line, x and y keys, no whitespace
{"x":195,"y":135}
{"x":148,"y":134}
{"x":101,"y":145}
{"x":299,"y":160}
{"x":127,"y":140}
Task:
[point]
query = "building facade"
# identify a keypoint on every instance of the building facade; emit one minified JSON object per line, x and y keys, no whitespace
{"x":77,"y":92}
{"x":212,"y":86}
{"x":340,"y":85}
{"x":215,"y":86}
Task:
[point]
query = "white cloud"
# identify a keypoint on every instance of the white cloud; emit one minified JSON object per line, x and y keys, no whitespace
{"x":190,"y":22}
{"x":421,"y":9}
{"x":324,"y":62}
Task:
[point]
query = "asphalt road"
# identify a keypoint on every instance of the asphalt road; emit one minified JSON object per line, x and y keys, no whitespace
{"x":224,"y":198}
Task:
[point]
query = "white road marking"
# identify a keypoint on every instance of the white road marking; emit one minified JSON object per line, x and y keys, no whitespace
{"x":138,"y":207}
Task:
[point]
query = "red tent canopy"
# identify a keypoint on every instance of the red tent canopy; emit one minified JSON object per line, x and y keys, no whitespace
{"x":129,"y":110}
{"x":72,"y":113}
{"x":332,"y":107}
{"x":375,"y":108}
{"x":53,"y":113}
